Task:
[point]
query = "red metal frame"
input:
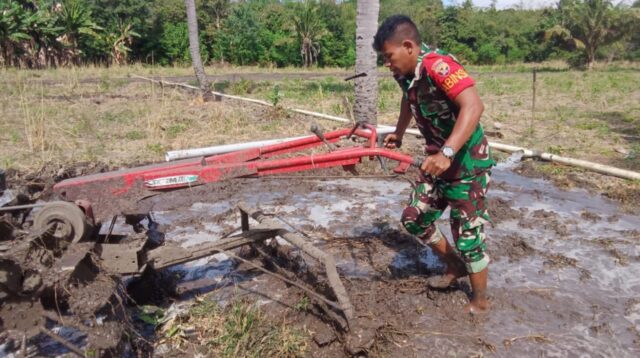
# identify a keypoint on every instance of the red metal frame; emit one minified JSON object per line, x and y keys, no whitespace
{"x":243,"y":163}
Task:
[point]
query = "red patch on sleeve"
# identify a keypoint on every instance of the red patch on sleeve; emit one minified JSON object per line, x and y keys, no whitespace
{"x":448,"y":74}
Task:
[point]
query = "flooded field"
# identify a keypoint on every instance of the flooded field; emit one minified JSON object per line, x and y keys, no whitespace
{"x":563,"y":280}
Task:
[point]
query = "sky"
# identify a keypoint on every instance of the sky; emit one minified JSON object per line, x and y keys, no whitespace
{"x":526,"y":4}
{"x":504,"y":4}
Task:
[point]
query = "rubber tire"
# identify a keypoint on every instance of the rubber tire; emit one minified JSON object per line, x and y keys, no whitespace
{"x":67,"y":213}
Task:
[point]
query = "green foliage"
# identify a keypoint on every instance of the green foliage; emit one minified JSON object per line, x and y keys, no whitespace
{"x":135,"y":135}
{"x":303,"y":305}
{"x":275,"y":95}
{"x":309,"y":32}
{"x":151,"y":315}
{"x":310,"y":28}
{"x":588,"y":25}
{"x":174,"y":43}
{"x":175,"y":129}
{"x":156,"y":148}
{"x":488,"y":54}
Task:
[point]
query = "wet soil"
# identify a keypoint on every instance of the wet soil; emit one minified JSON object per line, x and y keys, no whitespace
{"x":562,"y":279}
{"x":552,"y":277}
{"x":626,"y":192}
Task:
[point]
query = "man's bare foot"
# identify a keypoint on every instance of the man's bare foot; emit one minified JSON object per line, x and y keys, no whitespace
{"x":477,"y":307}
{"x":455,"y":269}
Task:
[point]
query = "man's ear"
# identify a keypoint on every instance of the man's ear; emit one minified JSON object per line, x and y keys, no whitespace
{"x":409,"y":46}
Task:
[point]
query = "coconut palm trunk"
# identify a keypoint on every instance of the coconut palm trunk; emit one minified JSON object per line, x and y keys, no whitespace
{"x":194,"y":45}
{"x":366,"y":102}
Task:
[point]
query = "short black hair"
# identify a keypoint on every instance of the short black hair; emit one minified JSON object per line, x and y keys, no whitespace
{"x":396,"y":28}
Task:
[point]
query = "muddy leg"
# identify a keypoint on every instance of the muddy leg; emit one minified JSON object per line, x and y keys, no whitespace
{"x":454,"y":267}
{"x":479,"y":303}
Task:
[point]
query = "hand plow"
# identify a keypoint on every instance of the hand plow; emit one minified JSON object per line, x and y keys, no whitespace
{"x":58,"y":268}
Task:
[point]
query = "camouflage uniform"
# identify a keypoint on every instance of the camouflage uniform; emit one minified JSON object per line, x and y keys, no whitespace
{"x":438,"y":79}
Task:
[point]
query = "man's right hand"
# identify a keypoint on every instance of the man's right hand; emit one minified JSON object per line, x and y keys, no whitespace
{"x":392,"y":141}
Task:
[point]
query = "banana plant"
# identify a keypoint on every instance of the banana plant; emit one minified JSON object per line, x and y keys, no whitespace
{"x":14,"y":26}
{"x":75,"y":18}
{"x":120,"y":42}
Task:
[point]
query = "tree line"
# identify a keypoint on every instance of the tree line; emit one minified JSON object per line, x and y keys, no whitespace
{"x":49,"y":33}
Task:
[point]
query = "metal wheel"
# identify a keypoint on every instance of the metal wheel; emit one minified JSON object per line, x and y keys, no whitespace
{"x":71,"y":220}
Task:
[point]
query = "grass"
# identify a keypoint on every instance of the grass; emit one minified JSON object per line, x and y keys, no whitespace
{"x":117,"y":121}
{"x":240,"y":329}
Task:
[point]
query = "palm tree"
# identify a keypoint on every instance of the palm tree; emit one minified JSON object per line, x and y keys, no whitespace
{"x":588,"y":25}
{"x":194,"y":46}
{"x":366,"y":101}
{"x":310,"y":29}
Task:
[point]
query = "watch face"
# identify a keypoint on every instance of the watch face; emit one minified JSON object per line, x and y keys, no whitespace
{"x":447,"y":151}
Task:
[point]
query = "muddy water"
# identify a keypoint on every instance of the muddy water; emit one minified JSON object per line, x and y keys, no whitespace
{"x":564,"y":278}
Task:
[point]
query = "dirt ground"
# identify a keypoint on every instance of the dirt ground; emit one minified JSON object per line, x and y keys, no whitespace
{"x":565,"y":243}
{"x":562,"y":277}
{"x":552,"y":290}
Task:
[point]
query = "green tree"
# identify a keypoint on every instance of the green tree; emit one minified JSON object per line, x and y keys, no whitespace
{"x":337,"y":47}
{"x":242,"y":41}
{"x":588,"y":25}
{"x":114,"y":16}
{"x":219,"y":9}
{"x":310,"y":29}
{"x":174,"y":44}
{"x":15,"y":22}
{"x":75,"y":18}
{"x":120,"y":42}
{"x":43,"y":48}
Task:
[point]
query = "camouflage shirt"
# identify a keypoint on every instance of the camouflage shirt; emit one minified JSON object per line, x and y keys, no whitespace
{"x":438,"y":79}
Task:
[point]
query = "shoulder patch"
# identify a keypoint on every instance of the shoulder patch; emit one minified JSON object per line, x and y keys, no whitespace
{"x":440,"y":67}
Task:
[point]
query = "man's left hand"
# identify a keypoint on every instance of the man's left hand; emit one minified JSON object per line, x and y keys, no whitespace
{"x":435,"y":164}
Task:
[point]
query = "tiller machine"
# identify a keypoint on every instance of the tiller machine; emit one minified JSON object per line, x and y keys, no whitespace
{"x":52,"y":255}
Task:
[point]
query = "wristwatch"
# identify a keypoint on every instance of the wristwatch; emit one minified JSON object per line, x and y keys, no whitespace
{"x":448,"y":152}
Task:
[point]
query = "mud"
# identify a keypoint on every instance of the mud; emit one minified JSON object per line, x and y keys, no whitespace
{"x":552,"y":279}
{"x":562,"y":282}
{"x":622,"y":191}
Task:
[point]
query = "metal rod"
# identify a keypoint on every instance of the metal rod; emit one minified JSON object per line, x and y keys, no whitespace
{"x":280,"y":277}
{"x":21,"y":207}
{"x":113,"y":223}
{"x":315,"y":177}
{"x":300,"y":242}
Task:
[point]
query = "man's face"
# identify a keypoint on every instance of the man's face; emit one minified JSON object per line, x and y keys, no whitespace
{"x":400,"y":58}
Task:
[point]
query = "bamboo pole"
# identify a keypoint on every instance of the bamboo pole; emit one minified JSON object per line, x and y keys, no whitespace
{"x":599,"y":168}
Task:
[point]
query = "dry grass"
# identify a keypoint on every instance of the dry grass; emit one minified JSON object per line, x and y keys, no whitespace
{"x":117,"y":122}
{"x":593,"y":116}
{"x":99,"y":72}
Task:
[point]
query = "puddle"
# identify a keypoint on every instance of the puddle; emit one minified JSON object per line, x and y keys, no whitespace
{"x":591,"y":289}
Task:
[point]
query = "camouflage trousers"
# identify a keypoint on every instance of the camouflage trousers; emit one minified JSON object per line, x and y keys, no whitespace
{"x":467,"y":199}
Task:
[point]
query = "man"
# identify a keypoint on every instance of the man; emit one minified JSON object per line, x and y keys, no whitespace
{"x":441,"y":96}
